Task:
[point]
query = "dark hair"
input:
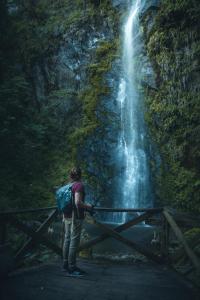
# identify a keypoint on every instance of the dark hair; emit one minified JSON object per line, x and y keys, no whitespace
{"x":75,"y":173}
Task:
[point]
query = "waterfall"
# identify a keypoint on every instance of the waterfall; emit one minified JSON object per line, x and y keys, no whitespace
{"x":133,"y":187}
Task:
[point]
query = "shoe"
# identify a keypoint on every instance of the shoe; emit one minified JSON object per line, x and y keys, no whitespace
{"x":76,"y":272}
{"x":80,"y":270}
{"x":65,"y":267}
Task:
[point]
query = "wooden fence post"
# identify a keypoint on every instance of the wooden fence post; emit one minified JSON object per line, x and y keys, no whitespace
{"x":192,"y":256}
{"x":164,"y":238}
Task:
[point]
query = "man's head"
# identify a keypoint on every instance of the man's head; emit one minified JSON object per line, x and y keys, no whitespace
{"x":75,"y":173}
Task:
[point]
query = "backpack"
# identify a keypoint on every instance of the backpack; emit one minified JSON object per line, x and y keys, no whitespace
{"x":64,"y":198}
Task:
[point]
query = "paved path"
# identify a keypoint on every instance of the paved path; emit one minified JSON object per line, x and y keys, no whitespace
{"x":105,"y":281}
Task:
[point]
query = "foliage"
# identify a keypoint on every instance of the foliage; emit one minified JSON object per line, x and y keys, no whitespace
{"x":192,"y":235}
{"x":36,"y":132}
{"x":174,"y":107}
{"x":88,"y":138}
{"x":96,"y":89}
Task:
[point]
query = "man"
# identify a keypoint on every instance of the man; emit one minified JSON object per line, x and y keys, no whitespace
{"x":73,"y":223}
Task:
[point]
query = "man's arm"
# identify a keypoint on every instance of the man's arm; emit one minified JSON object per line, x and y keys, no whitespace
{"x":79,"y":201}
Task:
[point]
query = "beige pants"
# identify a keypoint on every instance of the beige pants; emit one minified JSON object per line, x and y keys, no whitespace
{"x":71,"y":241}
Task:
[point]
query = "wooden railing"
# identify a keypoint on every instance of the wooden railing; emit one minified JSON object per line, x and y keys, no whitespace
{"x":162,"y":217}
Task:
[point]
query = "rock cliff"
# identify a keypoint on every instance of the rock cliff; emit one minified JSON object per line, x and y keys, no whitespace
{"x":60,"y":66}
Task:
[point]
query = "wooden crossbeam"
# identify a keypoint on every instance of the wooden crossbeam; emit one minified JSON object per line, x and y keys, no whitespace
{"x":129,"y":243}
{"x":35,"y":236}
{"x":192,"y":256}
{"x":164,"y":237}
{"x":26,"y":211}
{"x":119,"y":228}
{"x":181,"y":254}
{"x":131,"y":210}
{"x":104,"y":209}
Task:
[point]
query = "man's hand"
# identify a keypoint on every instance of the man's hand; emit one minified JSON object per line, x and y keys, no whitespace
{"x":90,"y":209}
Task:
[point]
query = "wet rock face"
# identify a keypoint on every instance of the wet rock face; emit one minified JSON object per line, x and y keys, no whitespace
{"x":151,"y":4}
{"x":120,"y":3}
{"x":172,"y":39}
{"x":147,"y":73}
{"x":147,"y":19}
{"x":98,"y":148}
{"x":65,"y":74}
{"x":66,"y":68}
{"x":76,"y":52}
{"x":66,"y":71}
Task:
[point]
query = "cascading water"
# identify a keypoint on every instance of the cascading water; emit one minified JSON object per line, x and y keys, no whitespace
{"x":133,"y":173}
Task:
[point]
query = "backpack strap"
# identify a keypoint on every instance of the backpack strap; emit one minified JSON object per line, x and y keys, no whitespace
{"x":74,"y":207}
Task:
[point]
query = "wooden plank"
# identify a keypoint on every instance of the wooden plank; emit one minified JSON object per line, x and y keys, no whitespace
{"x":129,"y":243}
{"x":105,"y":209}
{"x":194,"y":259}
{"x":36,"y":236}
{"x":119,"y":228}
{"x":108,"y":209}
{"x":30,"y":210}
{"x":43,"y":227}
{"x":167,"y":238}
{"x":164,"y":237}
{"x":187,"y":223}
{"x":35,"y":239}
{"x":181,"y":254}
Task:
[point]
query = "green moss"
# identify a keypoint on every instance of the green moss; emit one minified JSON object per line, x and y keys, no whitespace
{"x":41,"y":140}
{"x":94,"y":117}
{"x":91,"y":97}
{"x":173,"y":47}
{"x":192,"y":235}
